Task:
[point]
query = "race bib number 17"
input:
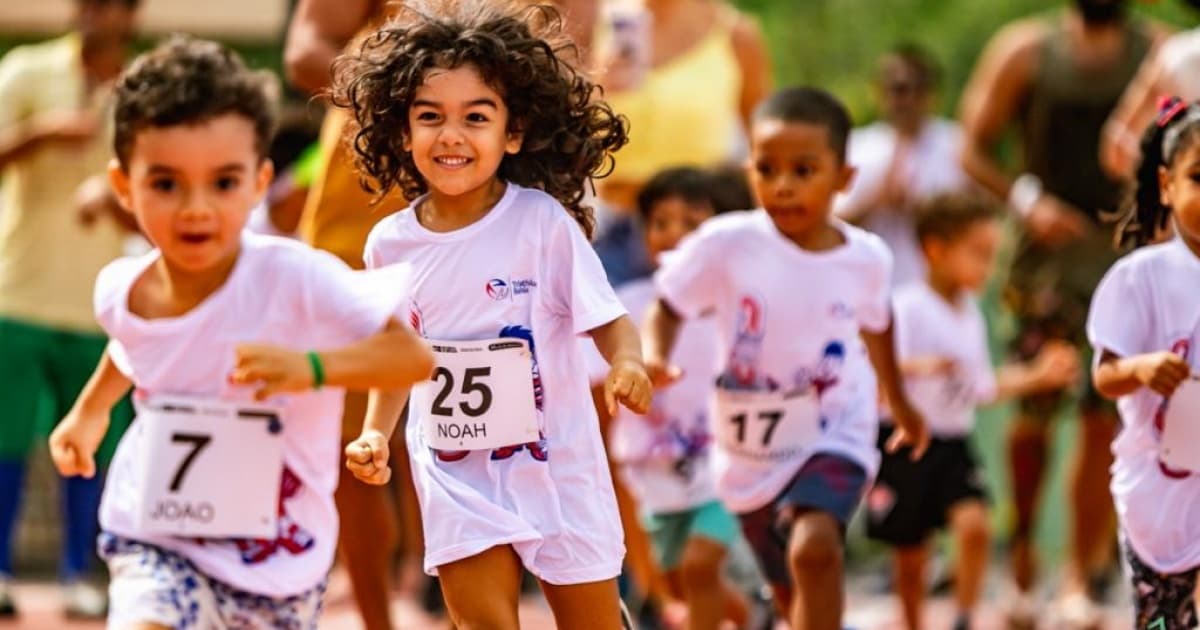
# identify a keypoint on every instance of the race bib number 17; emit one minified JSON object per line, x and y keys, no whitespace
{"x":190,"y":447}
{"x":765,"y":425}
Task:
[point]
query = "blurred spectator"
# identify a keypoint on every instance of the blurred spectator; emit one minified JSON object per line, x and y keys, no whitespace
{"x":1058,"y":80}
{"x":906,"y":157}
{"x":731,"y":189}
{"x":337,"y":217}
{"x":687,"y":74}
{"x":1173,"y":71}
{"x":53,"y":100}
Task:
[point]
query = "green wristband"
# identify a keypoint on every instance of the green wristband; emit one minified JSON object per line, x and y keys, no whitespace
{"x":318,"y":370}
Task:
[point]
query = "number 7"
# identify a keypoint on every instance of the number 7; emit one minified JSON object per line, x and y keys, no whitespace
{"x":199,"y":442}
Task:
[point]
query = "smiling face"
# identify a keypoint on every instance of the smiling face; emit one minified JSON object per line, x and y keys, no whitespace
{"x":192,"y":187}
{"x":795,"y":173}
{"x":458,"y":132}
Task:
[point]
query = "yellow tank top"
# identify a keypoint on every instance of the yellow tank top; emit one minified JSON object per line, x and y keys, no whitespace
{"x":686,"y":111}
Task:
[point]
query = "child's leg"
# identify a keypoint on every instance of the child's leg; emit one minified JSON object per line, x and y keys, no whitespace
{"x":1161,"y":601}
{"x":969,"y":524}
{"x":587,"y":606}
{"x":815,"y":560}
{"x":1027,"y":448}
{"x":703,"y":587}
{"x":482,"y":591}
{"x":909,"y":578}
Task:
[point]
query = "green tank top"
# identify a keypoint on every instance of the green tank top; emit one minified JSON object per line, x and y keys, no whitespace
{"x":1063,"y":116}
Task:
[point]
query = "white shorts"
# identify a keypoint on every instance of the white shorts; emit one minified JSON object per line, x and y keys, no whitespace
{"x":153,"y":585}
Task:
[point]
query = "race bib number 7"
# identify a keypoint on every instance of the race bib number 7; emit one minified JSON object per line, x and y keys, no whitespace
{"x":189,"y":449}
{"x":766,"y":426}
{"x":480,"y":397}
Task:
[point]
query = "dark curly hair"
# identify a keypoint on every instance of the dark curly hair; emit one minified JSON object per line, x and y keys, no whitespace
{"x":1144,"y":215}
{"x":186,"y":80}
{"x":569,"y":134}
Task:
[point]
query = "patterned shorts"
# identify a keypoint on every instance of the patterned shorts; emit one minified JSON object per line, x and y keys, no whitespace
{"x":153,"y":585}
{"x":1161,"y":601}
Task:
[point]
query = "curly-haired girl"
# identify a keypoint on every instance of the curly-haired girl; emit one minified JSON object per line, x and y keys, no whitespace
{"x":472,"y":111}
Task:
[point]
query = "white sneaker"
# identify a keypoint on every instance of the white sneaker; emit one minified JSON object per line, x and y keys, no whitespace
{"x":1022,"y":613}
{"x":82,"y":600}
{"x":8,"y":608}
{"x":1078,"y":611}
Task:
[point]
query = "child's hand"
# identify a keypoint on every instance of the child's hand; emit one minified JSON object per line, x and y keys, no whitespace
{"x":273,"y":368}
{"x":74,"y":442}
{"x":662,"y":374}
{"x":1161,"y":371}
{"x":1056,"y":366}
{"x":367,"y":458}
{"x":911,"y":430}
{"x":628,"y":384}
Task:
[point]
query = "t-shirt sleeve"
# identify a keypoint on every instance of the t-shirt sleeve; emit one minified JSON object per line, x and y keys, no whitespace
{"x":1117,"y":320}
{"x":875,"y":313}
{"x":579,"y":289}
{"x":686,"y":278}
{"x":345,"y":305}
{"x":112,"y":286}
{"x":983,"y":372}
{"x":13,"y":75}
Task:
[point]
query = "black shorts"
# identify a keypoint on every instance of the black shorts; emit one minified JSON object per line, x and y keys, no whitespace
{"x":911,"y":499}
{"x":1161,"y":601}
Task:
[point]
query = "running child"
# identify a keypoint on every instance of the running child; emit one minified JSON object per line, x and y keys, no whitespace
{"x":471,"y":109}
{"x":1144,"y":324}
{"x":942,"y":348}
{"x":218,"y":507}
{"x":800,"y":300}
{"x":663,"y":457}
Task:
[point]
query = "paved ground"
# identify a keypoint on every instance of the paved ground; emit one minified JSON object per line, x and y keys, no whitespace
{"x":867,"y":611}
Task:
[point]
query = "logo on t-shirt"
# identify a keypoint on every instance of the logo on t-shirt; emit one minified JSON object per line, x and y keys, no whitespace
{"x":497,"y":289}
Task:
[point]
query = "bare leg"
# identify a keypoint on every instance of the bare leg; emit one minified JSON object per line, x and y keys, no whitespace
{"x":815,"y":560}
{"x":1027,"y":465}
{"x":482,"y":591}
{"x":1093,"y":521}
{"x":588,"y":606}
{"x":969,"y":524}
{"x":910,"y":563}
{"x":709,"y":599}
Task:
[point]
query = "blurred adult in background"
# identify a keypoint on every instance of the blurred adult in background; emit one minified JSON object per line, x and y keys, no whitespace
{"x":686,"y":73}
{"x":1057,"y":80}
{"x":54,"y":97}
{"x":337,"y":217}
{"x":1174,"y":70}
{"x":905,"y":157}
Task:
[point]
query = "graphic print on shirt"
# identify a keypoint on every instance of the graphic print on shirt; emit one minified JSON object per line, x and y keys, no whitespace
{"x":822,"y":377}
{"x":1183,"y":348}
{"x":741,"y":368}
{"x":292,"y":538}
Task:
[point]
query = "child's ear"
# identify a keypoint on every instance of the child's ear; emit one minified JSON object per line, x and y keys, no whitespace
{"x":406,"y":142}
{"x":118,"y":180}
{"x":513,"y":141}
{"x":262,"y":179}
{"x":846,"y":177}
{"x":1164,"y":186}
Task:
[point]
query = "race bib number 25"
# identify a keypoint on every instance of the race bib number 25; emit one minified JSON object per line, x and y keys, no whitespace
{"x":480,"y":397}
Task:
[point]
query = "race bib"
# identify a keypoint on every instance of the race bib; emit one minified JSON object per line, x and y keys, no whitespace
{"x":481,"y":395}
{"x":1180,"y":445}
{"x":942,"y":396}
{"x":210,"y":468}
{"x":767,"y":426}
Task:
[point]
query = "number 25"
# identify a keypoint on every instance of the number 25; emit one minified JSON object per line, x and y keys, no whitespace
{"x":469,"y":386}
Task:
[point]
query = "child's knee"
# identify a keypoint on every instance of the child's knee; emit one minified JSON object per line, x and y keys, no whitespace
{"x":971,"y":526}
{"x":815,"y":546}
{"x":700,"y":564}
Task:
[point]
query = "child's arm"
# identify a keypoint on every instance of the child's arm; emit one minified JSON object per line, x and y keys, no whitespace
{"x":627,"y":381}
{"x":74,"y":441}
{"x":367,"y":456}
{"x":910,"y":426}
{"x":1115,"y":376}
{"x":930,"y":365}
{"x":391,"y":359}
{"x":1054,"y":368}
{"x":659,"y":333}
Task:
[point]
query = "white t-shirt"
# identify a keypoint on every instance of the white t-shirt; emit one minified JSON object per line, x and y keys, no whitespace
{"x":1148,"y":303}
{"x":788,"y":320}
{"x":927,"y":326}
{"x":523,"y":270}
{"x":664,"y":455}
{"x":282,"y":293}
{"x":932,"y":168}
{"x":1179,"y":56}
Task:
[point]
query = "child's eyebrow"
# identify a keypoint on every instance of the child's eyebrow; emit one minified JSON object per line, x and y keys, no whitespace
{"x":483,"y":101}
